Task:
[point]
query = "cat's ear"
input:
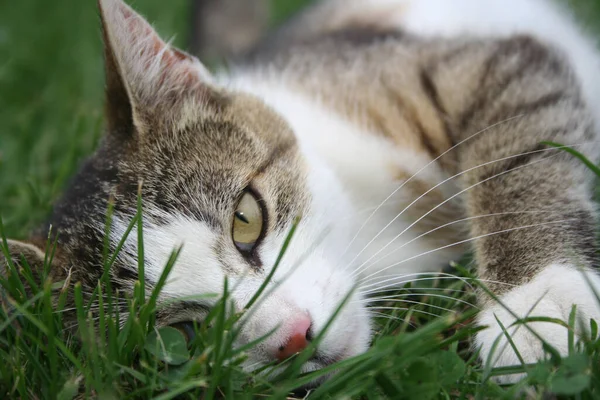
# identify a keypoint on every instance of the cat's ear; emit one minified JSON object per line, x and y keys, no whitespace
{"x":17,"y":251}
{"x":144,"y":75}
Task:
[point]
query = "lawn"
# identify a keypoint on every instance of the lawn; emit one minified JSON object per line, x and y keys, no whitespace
{"x":51,"y":97}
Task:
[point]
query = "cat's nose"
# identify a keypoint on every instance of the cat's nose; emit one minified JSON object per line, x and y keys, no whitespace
{"x":299,"y":336}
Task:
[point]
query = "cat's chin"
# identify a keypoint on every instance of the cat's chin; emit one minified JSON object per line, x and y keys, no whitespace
{"x":314,"y":364}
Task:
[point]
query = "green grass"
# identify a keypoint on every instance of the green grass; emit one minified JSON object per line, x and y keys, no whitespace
{"x":51,"y":95}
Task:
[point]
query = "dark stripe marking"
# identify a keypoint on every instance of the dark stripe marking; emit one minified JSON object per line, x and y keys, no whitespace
{"x":546,"y":101}
{"x":430,"y":90}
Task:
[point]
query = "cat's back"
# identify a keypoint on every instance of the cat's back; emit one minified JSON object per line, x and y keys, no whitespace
{"x":358,"y":79}
{"x":348,"y":34}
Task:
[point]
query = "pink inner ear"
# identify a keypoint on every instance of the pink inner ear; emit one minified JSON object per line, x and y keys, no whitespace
{"x":177,"y":69}
{"x":139,"y":44}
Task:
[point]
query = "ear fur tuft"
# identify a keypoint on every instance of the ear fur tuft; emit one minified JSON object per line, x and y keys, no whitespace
{"x":143,"y":72}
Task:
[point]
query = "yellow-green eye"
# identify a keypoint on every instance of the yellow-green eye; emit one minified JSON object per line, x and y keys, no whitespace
{"x":247,"y":223}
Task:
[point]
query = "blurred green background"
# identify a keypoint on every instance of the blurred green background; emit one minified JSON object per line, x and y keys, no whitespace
{"x":51,"y":92}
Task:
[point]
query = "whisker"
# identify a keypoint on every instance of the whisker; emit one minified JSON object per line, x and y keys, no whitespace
{"x":470,"y":240}
{"x":391,"y":317}
{"x":421,"y":275}
{"x":411,"y":309}
{"x":253,"y":366}
{"x":394,"y":286}
{"x":441,"y":227}
{"x":435,"y":275}
{"x":400,"y":298}
{"x":418,"y":172}
{"x":447,"y":180}
{"x":404,"y":289}
{"x":357,"y":270}
{"x":416,"y":303}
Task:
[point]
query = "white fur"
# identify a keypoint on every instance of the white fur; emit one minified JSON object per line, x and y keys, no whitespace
{"x":555,"y":289}
{"x":188,"y":277}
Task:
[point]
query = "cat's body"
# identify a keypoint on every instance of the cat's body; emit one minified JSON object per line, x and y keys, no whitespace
{"x":346,"y":117}
{"x":430,"y":75}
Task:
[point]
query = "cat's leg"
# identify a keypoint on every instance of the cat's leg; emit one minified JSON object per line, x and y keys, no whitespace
{"x":550,"y":293}
{"x":539,"y":234}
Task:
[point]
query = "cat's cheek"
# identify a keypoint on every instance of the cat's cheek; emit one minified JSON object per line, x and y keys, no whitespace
{"x":551,"y":294}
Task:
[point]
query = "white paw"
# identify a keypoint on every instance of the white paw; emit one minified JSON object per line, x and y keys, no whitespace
{"x":551,"y":293}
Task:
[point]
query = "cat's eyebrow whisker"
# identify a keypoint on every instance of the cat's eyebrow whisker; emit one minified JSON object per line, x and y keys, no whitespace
{"x":364,"y":224}
{"x":400,"y":298}
{"x":358,"y":269}
{"x":472,"y":239}
{"x":441,"y":227}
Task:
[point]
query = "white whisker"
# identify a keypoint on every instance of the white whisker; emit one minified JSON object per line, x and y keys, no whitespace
{"x":419,"y":303}
{"x":444,"y":226}
{"x":357,"y":270}
{"x":400,"y":298}
{"x":470,"y":240}
{"x":390,"y":317}
{"x":418,"y":172}
{"x":410,"y":309}
{"x":435,"y":275}
{"x":411,"y":289}
{"x":403,"y":279}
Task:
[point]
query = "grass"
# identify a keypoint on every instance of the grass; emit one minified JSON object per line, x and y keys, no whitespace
{"x":51,"y":94}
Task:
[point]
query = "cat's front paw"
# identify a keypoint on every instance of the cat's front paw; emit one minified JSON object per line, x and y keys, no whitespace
{"x":552,"y":294}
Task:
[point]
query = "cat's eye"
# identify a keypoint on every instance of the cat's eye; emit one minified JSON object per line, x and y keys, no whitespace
{"x":187,"y":329}
{"x":248,"y":223}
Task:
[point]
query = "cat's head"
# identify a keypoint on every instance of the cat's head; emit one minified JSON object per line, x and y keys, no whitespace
{"x":222,"y":175}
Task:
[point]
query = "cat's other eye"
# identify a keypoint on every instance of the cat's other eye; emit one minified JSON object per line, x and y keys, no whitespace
{"x":187,"y":329}
{"x":248,"y":223}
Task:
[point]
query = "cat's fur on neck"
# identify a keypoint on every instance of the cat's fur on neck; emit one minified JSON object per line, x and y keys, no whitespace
{"x":350,"y":117}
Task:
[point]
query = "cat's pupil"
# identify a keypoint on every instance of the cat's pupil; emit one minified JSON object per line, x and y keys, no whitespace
{"x":240,"y":215}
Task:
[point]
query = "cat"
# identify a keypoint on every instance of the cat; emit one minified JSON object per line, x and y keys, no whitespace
{"x":399,"y":134}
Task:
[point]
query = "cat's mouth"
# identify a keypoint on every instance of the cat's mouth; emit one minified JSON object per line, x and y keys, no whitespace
{"x":320,"y":359}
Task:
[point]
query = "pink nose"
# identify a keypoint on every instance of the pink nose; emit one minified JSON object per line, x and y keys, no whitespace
{"x":299,"y":336}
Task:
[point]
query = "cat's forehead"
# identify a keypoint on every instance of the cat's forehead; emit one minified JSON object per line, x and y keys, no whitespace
{"x":201,"y":164}
{"x":226,"y":125}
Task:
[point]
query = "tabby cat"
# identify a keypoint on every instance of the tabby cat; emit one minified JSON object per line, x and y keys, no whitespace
{"x":401,"y":134}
